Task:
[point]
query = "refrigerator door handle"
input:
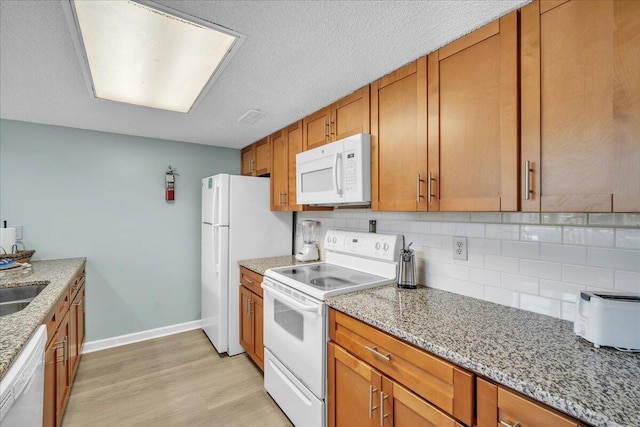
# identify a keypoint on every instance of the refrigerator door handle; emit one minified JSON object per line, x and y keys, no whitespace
{"x":220,"y":225}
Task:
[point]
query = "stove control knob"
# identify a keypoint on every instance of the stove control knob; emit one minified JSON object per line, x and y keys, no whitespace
{"x":334,"y":240}
{"x":328,"y":239}
{"x":377,"y":245}
{"x":385,"y":246}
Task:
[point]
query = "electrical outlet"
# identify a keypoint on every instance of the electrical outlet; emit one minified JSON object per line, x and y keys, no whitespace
{"x":18,"y":231}
{"x":460,"y":248}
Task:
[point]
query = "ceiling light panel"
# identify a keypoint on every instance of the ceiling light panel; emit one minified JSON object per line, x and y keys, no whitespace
{"x":144,"y":54}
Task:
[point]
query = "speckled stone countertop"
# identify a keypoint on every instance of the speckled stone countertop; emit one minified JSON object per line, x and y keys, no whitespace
{"x":17,"y":328}
{"x":537,"y":355}
{"x":260,"y":265}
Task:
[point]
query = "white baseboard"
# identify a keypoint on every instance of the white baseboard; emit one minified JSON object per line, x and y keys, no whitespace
{"x":97,"y":345}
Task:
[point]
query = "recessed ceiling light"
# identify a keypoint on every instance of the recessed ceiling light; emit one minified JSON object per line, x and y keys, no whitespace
{"x":145,"y":54}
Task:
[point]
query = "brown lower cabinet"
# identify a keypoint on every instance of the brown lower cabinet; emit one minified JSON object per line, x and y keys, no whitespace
{"x":251,"y":311}
{"x":66,"y":334}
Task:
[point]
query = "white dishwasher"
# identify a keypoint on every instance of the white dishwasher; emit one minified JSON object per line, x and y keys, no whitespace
{"x":22,"y":387}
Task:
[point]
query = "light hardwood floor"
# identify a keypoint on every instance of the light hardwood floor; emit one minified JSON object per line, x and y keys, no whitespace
{"x":178,"y":380}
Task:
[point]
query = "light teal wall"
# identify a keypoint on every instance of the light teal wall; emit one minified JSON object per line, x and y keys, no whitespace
{"x":80,"y":193}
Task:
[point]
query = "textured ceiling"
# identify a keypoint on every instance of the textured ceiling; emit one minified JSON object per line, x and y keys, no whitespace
{"x":298,"y":57}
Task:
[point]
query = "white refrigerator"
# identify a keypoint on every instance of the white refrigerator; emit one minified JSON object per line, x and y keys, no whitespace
{"x":237,"y":223}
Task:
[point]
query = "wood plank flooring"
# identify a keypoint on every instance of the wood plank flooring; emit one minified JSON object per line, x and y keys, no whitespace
{"x":179,"y":380}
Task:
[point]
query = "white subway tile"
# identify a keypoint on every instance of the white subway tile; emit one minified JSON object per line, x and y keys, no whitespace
{"x":439,"y":255}
{"x":484,"y":277}
{"x":541,"y":269}
{"x":568,"y":311}
{"x":486,"y":217}
{"x":521,"y":249}
{"x":443,"y":228}
{"x":455,"y":216}
{"x":391,"y":226}
{"x":564,"y":218}
{"x":628,"y":238}
{"x":470,"y":230}
{"x":432,"y":241}
{"x":469,"y":289}
{"x":455,"y":271}
{"x":614,"y":258}
{"x":541,"y":233}
{"x":501,"y":296}
{"x":502,"y":263}
{"x":357,"y":224}
{"x":430,"y":216}
{"x":615,"y":219}
{"x":520,"y":283}
{"x":484,"y":246}
{"x":502,"y":231}
{"x":563,"y":253}
{"x":520,"y":218}
{"x":627,"y":281}
{"x":422,"y":227}
{"x":441,"y":282}
{"x":540,"y":305}
{"x":473,"y":260}
{"x":560,"y":290}
{"x":588,"y":276}
{"x":590,"y":236}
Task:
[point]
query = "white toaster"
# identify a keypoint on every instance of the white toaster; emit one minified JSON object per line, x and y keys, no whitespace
{"x":609,"y":319}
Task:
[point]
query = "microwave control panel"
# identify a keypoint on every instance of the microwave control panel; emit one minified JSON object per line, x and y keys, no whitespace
{"x":350,"y":171}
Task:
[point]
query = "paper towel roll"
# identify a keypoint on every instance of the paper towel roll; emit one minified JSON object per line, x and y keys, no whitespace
{"x":7,"y":239}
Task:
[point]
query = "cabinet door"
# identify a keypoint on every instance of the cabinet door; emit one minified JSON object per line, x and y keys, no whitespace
{"x":399,"y":139}
{"x":473,"y":119}
{"x":354,"y":390}
{"x":581,"y":106}
{"x":263,"y":157}
{"x":315,"y":129}
{"x":248,"y":160}
{"x":63,"y":383}
{"x":401,"y":407}
{"x":246,"y":322}
{"x":294,"y":146}
{"x":279,"y":171}
{"x":50,"y":388}
{"x":258,"y":330}
{"x":73,"y":336}
{"x":81,"y":321}
{"x":351,"y":115}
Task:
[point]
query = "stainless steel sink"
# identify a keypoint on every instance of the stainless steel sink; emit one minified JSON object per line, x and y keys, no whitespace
{"x":15,"y":299}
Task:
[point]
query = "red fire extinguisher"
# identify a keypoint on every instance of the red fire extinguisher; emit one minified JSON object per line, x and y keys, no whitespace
{"x":169,"y":184}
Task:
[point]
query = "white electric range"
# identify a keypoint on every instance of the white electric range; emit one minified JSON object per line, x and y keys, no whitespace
{"x":296,"y":317}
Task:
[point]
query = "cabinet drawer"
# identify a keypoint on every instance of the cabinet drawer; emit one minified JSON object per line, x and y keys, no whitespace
{"x":251,"y":280}
{"x":497,"y":404}
{"x":441,"y":383}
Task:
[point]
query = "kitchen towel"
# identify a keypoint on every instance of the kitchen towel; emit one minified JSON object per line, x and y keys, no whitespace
{"x":7,"y":239}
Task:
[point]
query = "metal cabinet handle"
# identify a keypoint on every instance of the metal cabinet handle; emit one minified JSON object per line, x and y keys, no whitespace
{"x":248,"y":280}
{"x":382,"y":414}
{"x":371,"y":407}
{"x":429,"y":190}
{"x":331,"y":127}
{"x":326,"y":129}
{"x":250,"y":305}
{"x":505,"y":424}
{"x":375,"y":351}
{"x":527,"y":180}
{"x":418,"y":195}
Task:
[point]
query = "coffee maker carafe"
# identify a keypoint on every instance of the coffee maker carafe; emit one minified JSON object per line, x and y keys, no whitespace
{"x":407,"y":275}
{"x":309,"y":250}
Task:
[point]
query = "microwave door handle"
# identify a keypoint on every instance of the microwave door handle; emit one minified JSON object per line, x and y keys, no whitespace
{"x":289,"y":300}
{"x":337,"y":180}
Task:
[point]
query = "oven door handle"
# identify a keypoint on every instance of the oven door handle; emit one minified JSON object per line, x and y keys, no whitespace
{"x":304,"y":307}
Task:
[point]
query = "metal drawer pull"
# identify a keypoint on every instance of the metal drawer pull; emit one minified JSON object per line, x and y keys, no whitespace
{"x":248,"y":280}
{"x":527,"y":180}
{"x":418,"y":181}
{"x":505,"y":424}
{"x":382,"y":414}
{"x":429,"y":190}
{"x":371,"y":407}
{"x":375,"y":351}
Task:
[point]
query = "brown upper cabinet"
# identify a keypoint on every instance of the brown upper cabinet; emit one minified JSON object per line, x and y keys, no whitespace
{"x":285,"y":144}
{"x":346,"y":117}
{"x":256,"y":158}
{"x":473,"y":120}
{"x":580,"y":106}
{"x":399,"y":139}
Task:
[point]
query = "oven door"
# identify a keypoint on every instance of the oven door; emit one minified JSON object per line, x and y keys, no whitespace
{"x":295,"y":332}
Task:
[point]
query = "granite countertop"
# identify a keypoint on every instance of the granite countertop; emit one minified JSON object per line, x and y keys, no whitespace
{"x":260,"y":265}
{"x":537,"y":355}
{"x":17,"y":328}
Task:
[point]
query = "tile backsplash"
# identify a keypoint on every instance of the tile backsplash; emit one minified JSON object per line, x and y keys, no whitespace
{"x":534,"y":261}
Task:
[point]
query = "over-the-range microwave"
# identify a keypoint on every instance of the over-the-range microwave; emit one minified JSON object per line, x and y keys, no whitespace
{"x":338,"y":173}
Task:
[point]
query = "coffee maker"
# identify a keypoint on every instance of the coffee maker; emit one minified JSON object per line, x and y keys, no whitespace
{"x":309,"y":250}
